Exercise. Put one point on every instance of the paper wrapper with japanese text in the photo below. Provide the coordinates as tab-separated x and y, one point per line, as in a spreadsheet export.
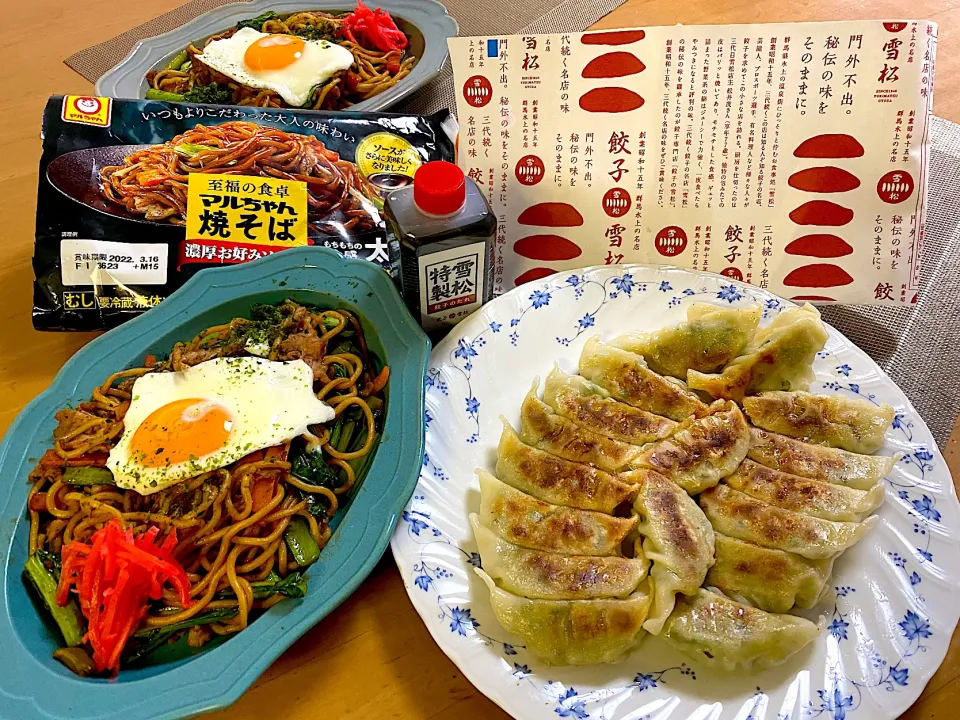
790	156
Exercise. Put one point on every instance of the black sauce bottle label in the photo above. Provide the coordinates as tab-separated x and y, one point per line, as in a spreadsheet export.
452	282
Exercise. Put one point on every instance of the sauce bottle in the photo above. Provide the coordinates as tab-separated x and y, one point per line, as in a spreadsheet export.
445	231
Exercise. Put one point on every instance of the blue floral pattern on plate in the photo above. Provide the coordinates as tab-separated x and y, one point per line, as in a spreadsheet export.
886	625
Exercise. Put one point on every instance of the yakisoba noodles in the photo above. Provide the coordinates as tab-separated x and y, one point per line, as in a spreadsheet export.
153	181
232	524
373	70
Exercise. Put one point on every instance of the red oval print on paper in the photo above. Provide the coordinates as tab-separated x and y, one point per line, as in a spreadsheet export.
616	202
551	214
895	187
671	241
615	37
820	275
537	273
547	247
529	170
819	246
732	272
829	146
613	65
894	27
827	179
821	212
812	298
477	91
610	100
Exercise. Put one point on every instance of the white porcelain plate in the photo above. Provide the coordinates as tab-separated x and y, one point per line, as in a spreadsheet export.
888	623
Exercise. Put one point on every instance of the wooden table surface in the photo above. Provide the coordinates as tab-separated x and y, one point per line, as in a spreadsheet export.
373	657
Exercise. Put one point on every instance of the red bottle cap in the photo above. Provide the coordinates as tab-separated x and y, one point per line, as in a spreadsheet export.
439	188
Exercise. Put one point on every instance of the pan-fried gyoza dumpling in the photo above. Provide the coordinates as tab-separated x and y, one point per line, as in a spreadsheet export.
537	574
743	517
835	420
711	337
525	521
677	539
627	378
780	357
555	480
572	632
542	428
591	406
815	461
702	450
772	580
724	634
805	495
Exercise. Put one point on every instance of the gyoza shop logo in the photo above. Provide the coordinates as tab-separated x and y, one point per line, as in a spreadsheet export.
452	283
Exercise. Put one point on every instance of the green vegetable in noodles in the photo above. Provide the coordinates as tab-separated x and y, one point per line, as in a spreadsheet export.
76	661
177	61
171	649
337	429
211	94
312	468
199	619
344	441
317	505
190	149
329	323
146	641
68	617
361	464
154	94
88	476
359	440
293	585
257	22
300	542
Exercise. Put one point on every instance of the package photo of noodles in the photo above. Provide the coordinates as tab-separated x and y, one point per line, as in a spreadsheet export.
136	196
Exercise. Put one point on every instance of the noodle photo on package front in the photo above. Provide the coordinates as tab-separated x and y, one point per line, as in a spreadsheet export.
153	182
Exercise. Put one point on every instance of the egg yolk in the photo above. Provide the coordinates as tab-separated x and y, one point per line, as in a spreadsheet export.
181	431
273	52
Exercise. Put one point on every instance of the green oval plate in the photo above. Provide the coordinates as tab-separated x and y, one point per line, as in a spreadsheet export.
32	683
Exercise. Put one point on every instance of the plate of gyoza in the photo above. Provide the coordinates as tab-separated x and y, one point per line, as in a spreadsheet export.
655	493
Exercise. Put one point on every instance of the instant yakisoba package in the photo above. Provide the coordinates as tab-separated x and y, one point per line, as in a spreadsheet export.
135	196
